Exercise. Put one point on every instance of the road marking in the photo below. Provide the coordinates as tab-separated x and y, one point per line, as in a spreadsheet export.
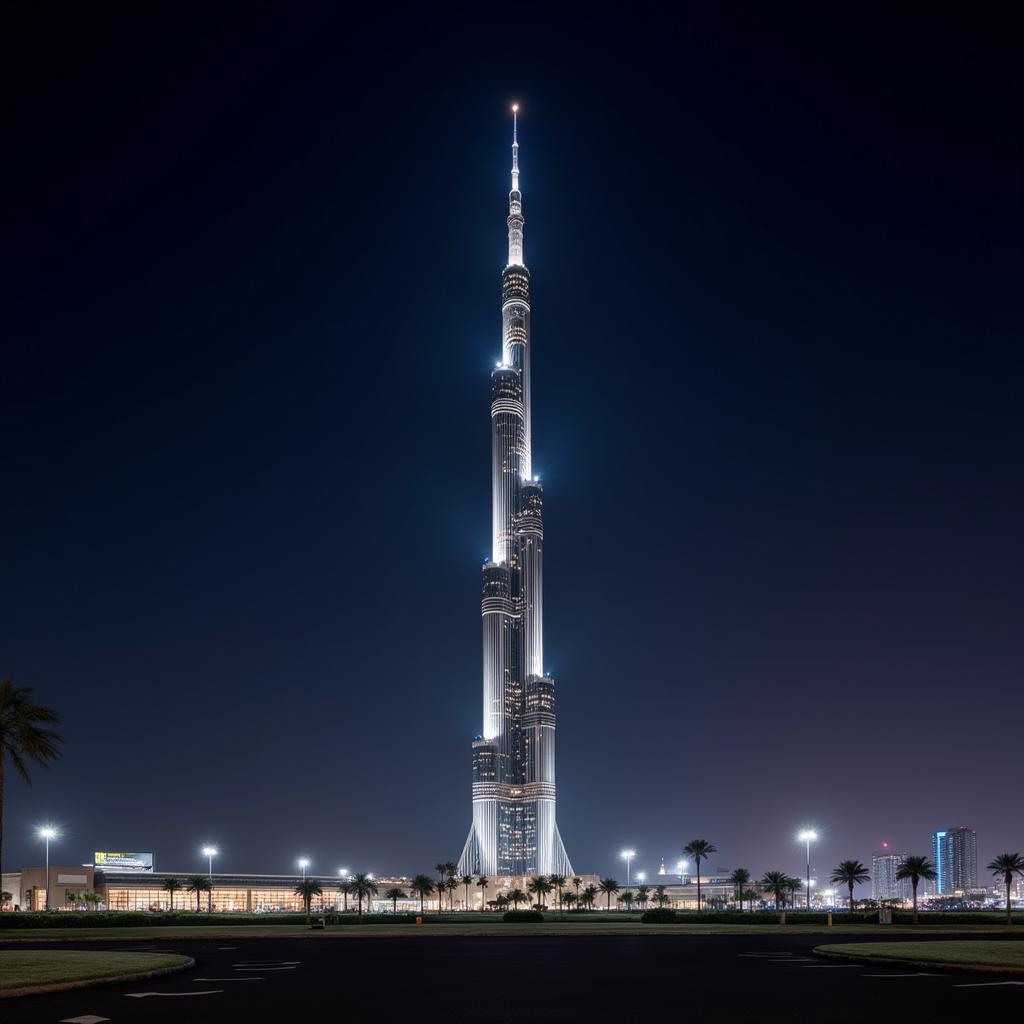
227	979
268	963
989	984
88	1018
143	995
264	968
833	966
918	975
227	947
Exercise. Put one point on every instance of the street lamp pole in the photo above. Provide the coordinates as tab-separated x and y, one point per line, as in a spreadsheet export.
628	855
47	834
209	852
303	863
808	835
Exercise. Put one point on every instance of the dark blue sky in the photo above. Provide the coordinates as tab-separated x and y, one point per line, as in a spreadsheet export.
254	263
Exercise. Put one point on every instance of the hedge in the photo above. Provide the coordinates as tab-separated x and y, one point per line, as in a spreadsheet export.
522	915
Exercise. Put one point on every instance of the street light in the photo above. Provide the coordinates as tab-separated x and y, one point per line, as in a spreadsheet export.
343	872
46	833
681	870
303	863
641	876
209	852
808	836
627	856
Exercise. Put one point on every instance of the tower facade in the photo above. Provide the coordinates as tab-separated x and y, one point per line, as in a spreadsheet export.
514	830
956	860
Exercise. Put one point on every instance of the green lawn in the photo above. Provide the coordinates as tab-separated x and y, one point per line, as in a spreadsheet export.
474	928
1008	954
22	968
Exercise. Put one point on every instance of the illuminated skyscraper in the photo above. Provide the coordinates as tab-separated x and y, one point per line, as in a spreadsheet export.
514	830
884	883
955	852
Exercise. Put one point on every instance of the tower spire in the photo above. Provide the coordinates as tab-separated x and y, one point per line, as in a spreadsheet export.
515	147
515	199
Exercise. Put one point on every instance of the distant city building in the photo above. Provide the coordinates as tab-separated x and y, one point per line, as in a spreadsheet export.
661	870
884	884
955	854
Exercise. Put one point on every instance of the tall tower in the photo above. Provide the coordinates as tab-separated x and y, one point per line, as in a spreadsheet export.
514	830
956	859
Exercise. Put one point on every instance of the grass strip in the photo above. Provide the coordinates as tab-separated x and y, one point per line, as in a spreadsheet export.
30	970
165	933
976	954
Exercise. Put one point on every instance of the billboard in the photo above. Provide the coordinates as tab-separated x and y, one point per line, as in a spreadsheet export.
124	861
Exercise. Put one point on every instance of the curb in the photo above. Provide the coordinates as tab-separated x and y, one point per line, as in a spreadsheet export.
934	965
113	979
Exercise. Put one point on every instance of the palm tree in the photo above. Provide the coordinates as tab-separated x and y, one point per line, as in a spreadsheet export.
850	873
642	894
915	868
609	887
589	895
660	896
482	883
557	883
198	884
441	867
739	878
467	881
625	899
576	883
423	886
515	897
539	886
345	887
776	882
71	898
794	885
1008	865
171	885
24	737
394	894
363	887
501	900
569	899
699	849
307	889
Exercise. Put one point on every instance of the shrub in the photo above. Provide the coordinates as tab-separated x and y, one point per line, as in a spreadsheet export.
522	916
660	915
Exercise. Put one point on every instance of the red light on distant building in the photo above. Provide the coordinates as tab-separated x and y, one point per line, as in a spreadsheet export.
885	846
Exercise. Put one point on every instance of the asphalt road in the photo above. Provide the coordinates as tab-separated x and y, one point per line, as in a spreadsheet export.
525	980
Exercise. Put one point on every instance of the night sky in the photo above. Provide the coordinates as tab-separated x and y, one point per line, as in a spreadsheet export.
253	275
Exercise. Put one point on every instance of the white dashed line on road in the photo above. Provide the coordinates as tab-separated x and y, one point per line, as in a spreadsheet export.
988	984
88	1018
143	995
918	975
227	979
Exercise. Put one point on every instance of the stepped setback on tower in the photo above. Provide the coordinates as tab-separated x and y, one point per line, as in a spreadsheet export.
514	831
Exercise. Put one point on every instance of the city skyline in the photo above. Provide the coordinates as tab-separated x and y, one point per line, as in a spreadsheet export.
252	326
